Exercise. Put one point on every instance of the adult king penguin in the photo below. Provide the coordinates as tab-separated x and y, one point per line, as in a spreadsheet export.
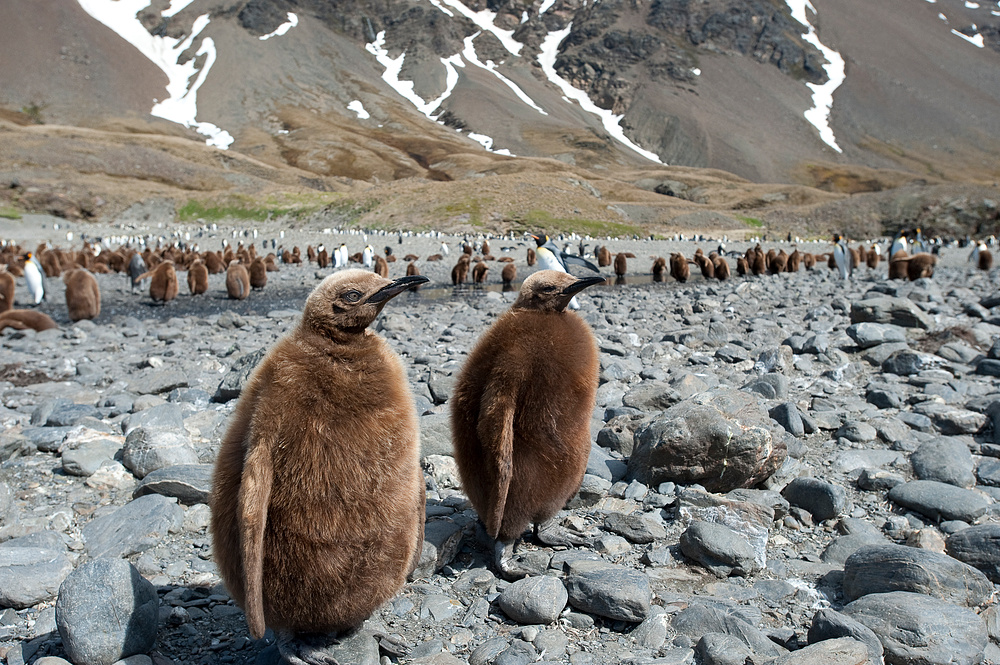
318	496
898	244
33	276
841	256
550	257
521	408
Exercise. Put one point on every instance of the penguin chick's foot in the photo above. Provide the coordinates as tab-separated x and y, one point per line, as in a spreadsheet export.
502	555
308	649
551	533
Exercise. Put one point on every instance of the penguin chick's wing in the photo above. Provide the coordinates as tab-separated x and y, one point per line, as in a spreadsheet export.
578	260
255	495
496	434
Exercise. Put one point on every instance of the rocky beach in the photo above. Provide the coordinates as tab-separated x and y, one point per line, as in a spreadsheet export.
789	468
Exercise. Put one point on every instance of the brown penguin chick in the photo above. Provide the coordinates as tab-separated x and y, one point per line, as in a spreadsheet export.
310	253
258	273
808	260
872	257
411	257
759	264
508	274
920	265
794	259
322	258
412	270
435	257
721	268
479	272
855	258
505	259
778	263
659	269
704	264
197	277
742	268
898	265
22	319
237	281
467	249
380	268
318	496
460	272
83	296
679	268
531	256
271	261
163	285
831	261
213	262
603	257
621	264
985	261
485	249
520	410
862	255
7	285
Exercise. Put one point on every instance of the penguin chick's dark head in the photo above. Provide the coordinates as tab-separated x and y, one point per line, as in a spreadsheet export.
345	303
551	290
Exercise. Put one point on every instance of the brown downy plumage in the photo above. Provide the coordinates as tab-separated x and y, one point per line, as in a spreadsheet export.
318	497
411	269
237	281
163	283
479	272
258	273
83	296
898	265
704	264
621	264
7	286
197	277
778	263
508	274
22	319
872	257
520	411
758	266
531	256
659	269
920	265
742	267
721	268
214	263
794	259
679	268
809	261
380	268
460	272
603	257
985	260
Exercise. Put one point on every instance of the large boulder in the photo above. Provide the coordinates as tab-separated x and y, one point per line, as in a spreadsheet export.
721	439
888	309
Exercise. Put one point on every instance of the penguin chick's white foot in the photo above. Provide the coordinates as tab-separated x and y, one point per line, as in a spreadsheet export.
503	553
309	649
553	534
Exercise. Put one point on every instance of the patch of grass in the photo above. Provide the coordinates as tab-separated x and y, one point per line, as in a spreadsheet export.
752	222
472	207
9	213
34	112
541	220
251	209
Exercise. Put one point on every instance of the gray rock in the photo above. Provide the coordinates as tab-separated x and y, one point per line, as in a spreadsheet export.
592	490
435	435
884	399
133	528
914	628
886	309
952	420
720	549
188	483
617	435
88	458
723	649
822	499
46	439
940	501
842	547
441	386
69	414
653	631
168	415
988	367
147	450
534	600
488	651
891	567
442	539
857	431
978	546
158	381
905	363
637	528
828	624
607	590
877	355
720	438
769	386
841	650
787	415
651	396
235	380
916	421
105	612
518	653
988	472
867	335
31	575
945	459
700	619
603	465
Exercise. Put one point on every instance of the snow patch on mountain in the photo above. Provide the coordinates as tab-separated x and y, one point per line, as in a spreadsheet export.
549	50
182	104
359	108
975	40
292	21
485	21
469	53
487	143
176	6
819	115
405	88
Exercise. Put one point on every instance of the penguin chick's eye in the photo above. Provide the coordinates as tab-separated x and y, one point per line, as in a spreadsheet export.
352	296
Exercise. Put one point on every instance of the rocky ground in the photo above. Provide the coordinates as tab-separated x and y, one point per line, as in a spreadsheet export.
871	401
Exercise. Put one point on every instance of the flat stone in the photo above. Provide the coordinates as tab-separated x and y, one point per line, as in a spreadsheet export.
867	334
88	457
787	415
105	612
635	527
822	499
887	309
135	527
857	431
906	363
188	483
945	459
701	618
890	567
147	450
236	378
722	649
940	501
952	420
720	549
168	415
978	546
828	624
837	651
69	414
651	396
435	435
615	592
914	628
158	381
534	600
442	540
31	575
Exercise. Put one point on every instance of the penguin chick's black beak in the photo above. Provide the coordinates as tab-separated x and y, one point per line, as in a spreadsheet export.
581	284
395	288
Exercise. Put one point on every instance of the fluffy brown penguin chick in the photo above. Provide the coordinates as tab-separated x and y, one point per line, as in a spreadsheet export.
318	496
520	411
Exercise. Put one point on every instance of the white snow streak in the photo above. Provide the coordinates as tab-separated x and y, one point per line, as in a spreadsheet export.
470	54
487	143
819	115
176	6
546	5
405	88
484	20
971	5
943	17
164	52
976	40
292	21
358	108
611	122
